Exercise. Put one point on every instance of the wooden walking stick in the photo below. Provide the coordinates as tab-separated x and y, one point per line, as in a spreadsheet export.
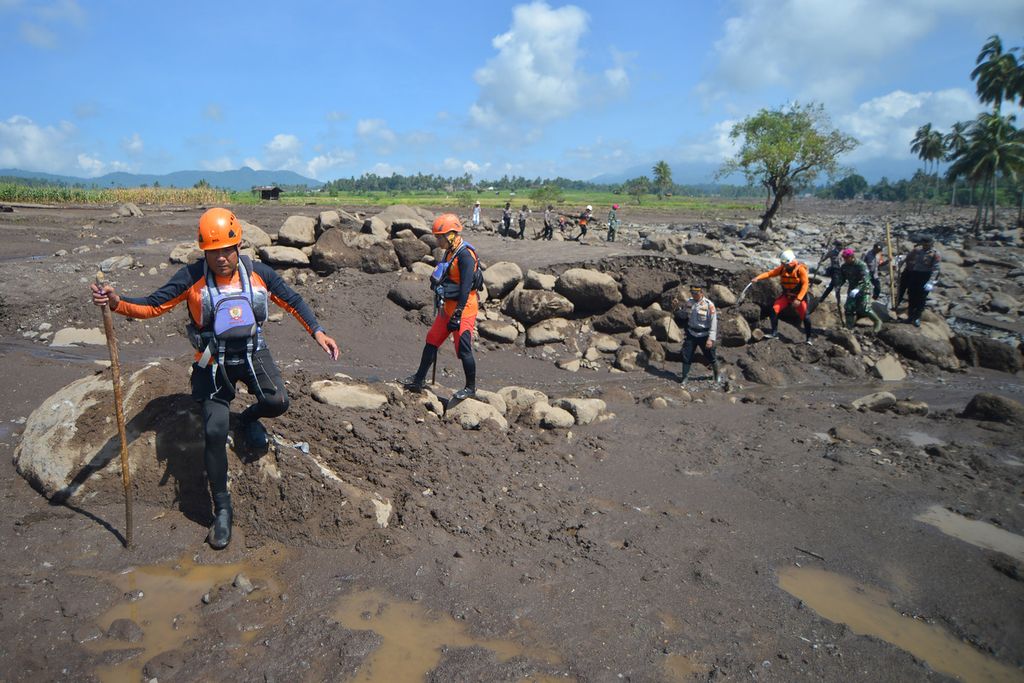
115	370
892	268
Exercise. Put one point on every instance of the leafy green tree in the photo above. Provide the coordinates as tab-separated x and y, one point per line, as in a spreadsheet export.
997	74
547	194
203	184
994	146
662	178
784	150
638	187
850	187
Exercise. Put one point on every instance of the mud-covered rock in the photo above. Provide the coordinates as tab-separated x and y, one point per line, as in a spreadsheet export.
283	256
501	277
888	369
498	330
473	414
643	286
879	401
530	306
755	371
548	331
584	410
733	330
521	398
347	396
401	217
253	236
994	408
409	251
989	353
721	295
537	280
297	231
652	347
665	329
411	293
589	291
617	319
544	415
911	343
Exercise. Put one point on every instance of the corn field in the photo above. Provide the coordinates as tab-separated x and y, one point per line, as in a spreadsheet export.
55	194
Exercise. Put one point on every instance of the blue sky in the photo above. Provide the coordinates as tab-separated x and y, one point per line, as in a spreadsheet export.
333	89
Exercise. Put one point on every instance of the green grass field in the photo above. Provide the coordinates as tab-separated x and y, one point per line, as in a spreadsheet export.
572	201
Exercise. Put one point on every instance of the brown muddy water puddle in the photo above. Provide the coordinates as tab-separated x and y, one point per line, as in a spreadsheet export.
975	532
163	600
867	611
412	639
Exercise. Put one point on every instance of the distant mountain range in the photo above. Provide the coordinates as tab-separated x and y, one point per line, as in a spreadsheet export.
242	179
703	173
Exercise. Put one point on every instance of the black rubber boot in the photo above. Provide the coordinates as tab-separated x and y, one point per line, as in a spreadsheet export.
464	393
220	530
774	319
255	434
686	373
717	372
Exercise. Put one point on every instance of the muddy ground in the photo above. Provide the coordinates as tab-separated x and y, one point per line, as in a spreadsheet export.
648	547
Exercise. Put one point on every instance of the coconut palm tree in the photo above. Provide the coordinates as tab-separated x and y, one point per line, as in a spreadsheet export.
996	74
662	177
994	146
929	145
956	144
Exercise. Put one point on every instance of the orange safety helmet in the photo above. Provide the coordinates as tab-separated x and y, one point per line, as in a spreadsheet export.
218	228
447	222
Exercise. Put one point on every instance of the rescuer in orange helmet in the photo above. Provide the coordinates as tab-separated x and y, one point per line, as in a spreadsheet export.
455	282
227	296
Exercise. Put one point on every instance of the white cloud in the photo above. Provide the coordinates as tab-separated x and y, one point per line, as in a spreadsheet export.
377	132
534	77
713	147
453	165
886	125
37	35
384	169
218	164
337	115
92	166
319	165
616	77
133	145
283	152
825	50
253	163
63	10
25	144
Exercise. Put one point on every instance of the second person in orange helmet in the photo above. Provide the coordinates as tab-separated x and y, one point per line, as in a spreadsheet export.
455	282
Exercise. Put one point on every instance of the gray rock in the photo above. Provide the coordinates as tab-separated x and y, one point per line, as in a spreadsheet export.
409	251
332	252
498	330
129	209
627	359
125	630
185	252
537	280
996	355
888	369
733	330
401	217
501	277
348	396
411	293
653	348
589	290
253	236
473	414
721	295
911	343
377	227
994	408
297	231
605	343
548	331
547	416
617	319
70	336
642	286
879	402
521	398
583	410
327	220
117	263
283	256
530	306
666	330
1003	303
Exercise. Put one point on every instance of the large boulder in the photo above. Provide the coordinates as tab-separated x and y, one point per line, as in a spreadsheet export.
721	295
521	398
376	227
590	291
297	231
473	414
401	217
733	330
996	355
253	236
498	330
501	277
994	408
348	396
548	331
379	258
879	401
888	369
538	280
411	293
643	286
327	220
910	343
283	256
187	252
530	306
409	251
665	329
332	252
547	416
584	410
617	319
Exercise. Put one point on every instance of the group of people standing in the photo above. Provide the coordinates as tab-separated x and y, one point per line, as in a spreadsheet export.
552	220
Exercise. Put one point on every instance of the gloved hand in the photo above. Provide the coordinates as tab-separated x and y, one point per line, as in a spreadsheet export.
929	286
455	321
854	293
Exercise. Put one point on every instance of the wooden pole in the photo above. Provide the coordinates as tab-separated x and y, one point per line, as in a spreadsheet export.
115	370
892	268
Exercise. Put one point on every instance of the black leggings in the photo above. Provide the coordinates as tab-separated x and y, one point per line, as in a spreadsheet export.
215	397
465	355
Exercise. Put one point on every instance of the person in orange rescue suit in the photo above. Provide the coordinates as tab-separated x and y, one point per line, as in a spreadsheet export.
455	281
226	295
795	285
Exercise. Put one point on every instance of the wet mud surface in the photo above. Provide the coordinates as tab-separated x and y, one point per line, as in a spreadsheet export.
724	536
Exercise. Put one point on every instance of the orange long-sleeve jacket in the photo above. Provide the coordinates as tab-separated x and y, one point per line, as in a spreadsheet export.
795	280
